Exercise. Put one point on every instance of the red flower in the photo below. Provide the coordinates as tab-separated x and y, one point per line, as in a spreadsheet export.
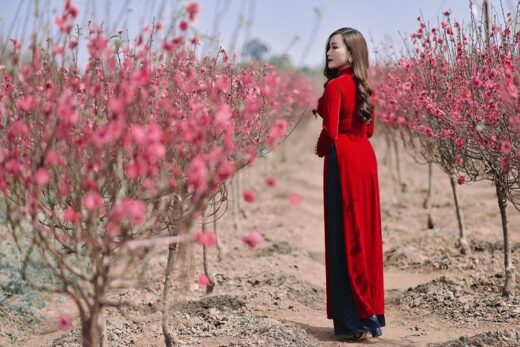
294	199
207	239
249	196
183	25
193	10
64	322
252	239
270	181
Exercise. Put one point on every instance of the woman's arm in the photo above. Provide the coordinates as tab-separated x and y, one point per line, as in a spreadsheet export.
331	105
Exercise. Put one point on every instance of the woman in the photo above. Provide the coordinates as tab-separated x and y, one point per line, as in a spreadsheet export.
353	241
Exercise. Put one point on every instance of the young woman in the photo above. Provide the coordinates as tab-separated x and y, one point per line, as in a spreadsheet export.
353	240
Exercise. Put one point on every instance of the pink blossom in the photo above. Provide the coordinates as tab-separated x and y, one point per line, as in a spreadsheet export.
63	322
226	170
52	158
92	200
459	142
27	103
113	229
294	199
67	108
506	147
270	181
155	151
193	9
223	116
252	239
70	215
64	187
116	106
133	210
278	131
461	179
207	239
138	134
203	280
249	196
183	25
197	175
18	129
41	177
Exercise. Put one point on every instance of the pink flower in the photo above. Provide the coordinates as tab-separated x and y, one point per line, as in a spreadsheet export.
134	210
461	179
92	200
27	103
52	158
294	199
249	196
41	177
70	215
276	132
406	86
67	108
226	170
203	280
506	147
63	322
64	187
18	129
113	229
270	181
192	9
207	239
197	175
183	25
459	142
223	116
155	151
252	239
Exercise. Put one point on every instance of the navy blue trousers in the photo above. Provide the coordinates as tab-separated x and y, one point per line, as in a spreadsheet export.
344	314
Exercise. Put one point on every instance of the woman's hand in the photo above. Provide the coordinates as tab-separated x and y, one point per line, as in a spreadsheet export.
315	112
323	144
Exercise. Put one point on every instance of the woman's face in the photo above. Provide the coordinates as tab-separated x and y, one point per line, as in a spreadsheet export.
338	53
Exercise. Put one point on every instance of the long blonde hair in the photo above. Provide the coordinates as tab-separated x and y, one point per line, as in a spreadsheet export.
357	46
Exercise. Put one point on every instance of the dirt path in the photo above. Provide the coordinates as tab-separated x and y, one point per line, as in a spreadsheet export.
275	295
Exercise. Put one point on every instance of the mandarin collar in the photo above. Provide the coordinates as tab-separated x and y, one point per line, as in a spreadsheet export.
347	71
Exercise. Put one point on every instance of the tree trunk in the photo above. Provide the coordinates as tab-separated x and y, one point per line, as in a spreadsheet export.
211	284
92	327
169	339
219	246
509	284
427	201
402	186
461	243
234	198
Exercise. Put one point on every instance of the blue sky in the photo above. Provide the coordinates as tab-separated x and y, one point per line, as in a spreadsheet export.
276	22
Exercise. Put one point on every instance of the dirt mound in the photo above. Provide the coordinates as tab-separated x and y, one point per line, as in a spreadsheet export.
463	301
282	290
499	338
441	253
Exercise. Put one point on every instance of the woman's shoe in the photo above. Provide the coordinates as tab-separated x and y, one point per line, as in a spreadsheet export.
360	336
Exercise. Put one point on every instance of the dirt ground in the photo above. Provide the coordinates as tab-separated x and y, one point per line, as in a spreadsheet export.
275	295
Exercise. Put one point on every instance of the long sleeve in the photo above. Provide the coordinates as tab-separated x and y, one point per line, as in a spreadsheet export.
331	105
